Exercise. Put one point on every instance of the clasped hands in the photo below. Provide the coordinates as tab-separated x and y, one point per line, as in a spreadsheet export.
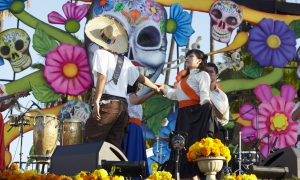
160	88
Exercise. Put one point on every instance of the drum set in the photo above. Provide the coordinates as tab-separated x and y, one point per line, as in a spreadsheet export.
47	131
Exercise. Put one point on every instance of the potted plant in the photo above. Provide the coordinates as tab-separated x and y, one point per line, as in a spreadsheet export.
209	154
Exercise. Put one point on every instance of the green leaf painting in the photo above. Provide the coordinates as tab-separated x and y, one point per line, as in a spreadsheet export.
119	7
31	152
154	113
253	70
295	26
44	93
43	43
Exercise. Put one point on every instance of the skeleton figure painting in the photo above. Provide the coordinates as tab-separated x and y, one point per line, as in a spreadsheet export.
234	62
14	47
226	16
145	22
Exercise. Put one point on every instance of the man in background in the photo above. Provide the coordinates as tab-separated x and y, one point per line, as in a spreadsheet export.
219	100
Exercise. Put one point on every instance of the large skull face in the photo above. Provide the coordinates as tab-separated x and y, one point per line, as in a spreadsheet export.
145	23
14	46
226	16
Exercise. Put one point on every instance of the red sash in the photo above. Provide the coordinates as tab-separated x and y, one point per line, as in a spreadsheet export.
2	148
189	92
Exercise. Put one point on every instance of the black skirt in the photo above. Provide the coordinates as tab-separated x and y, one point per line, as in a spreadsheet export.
197	122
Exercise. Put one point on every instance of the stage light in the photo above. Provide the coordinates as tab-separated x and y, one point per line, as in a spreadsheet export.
263	172
125	168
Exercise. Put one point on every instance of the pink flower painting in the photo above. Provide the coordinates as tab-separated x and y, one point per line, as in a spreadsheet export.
271	119
67	70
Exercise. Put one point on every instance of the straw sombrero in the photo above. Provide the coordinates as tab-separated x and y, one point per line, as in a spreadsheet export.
108	33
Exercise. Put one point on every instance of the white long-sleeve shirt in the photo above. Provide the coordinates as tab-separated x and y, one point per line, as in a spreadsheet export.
199	81
220	100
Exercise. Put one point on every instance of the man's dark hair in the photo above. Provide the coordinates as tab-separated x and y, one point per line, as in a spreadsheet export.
214	66
133	88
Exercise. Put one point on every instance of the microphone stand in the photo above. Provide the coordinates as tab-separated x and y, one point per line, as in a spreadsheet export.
21	133
268	135
254	107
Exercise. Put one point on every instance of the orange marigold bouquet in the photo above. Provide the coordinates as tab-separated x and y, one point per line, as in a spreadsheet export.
208	147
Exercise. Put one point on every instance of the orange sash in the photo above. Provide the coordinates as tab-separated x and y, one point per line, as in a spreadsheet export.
189	92
136	121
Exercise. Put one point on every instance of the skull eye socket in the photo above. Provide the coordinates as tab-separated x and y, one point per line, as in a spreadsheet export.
149	38
231	21
5	50
19	44
216	13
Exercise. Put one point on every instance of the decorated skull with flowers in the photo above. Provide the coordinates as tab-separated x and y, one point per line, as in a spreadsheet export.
208	147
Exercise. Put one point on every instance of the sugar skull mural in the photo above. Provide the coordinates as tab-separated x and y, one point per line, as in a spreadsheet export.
226	16
145	22
14	47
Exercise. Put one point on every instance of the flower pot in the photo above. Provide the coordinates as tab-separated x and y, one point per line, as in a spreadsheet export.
210	165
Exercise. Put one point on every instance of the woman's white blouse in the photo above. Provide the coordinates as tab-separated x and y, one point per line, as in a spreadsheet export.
197	80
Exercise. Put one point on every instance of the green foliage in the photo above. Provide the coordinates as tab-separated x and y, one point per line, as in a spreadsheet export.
43	43
295	26
31	152
155	113
253	70
44	93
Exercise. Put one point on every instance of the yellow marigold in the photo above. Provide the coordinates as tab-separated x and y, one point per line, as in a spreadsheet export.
208	147
154	166
160	175
101	173
14	166
118	178
29	174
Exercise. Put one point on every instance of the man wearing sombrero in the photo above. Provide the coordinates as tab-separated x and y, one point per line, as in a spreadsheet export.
112	73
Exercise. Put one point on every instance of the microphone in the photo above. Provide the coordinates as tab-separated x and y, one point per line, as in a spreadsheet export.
36	105
226	138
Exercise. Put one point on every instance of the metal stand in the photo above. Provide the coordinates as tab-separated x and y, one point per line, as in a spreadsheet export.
21	124
177	142
240	155
177	177
44	161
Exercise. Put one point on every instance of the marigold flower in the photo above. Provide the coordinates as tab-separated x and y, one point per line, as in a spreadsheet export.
14	166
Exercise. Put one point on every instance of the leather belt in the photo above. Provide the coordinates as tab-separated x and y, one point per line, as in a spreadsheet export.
112	97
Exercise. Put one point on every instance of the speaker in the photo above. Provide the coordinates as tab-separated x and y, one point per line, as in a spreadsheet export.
286	157
263	172
70	160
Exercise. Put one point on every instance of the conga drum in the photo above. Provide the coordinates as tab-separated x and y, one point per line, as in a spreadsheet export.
45	134
14	120
71	132
28	119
